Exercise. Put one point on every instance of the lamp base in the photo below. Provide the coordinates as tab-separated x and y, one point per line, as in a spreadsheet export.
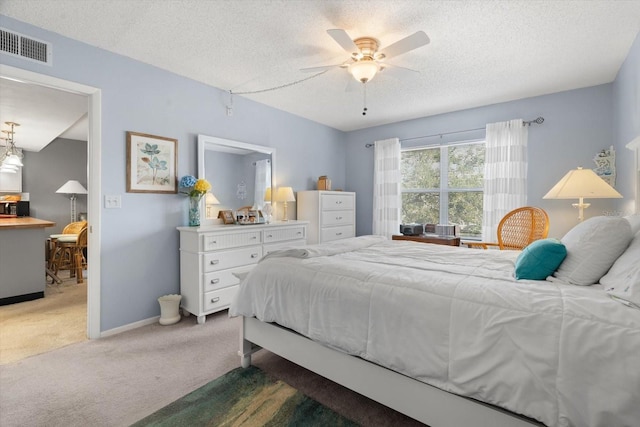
581	205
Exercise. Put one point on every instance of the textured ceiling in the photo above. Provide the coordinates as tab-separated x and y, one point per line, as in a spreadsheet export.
481	52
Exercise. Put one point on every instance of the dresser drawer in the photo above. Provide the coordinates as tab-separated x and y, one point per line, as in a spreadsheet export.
232	258
223	278
214	242
336	202
279	235
336	233
219	299
337	218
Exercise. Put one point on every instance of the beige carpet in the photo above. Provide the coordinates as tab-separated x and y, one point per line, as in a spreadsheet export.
35	327
118	380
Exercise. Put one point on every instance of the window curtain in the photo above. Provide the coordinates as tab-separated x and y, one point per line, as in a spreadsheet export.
505	173
263	180
386	187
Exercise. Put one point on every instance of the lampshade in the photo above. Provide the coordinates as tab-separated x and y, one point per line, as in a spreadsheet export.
285	194
364	70
580	184
210	199
8	168
267	195
72	187
13	160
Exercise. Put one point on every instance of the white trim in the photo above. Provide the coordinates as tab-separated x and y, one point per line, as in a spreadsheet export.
93	163
411	397
130	326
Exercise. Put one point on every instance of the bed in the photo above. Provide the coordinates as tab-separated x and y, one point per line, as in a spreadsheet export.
446	335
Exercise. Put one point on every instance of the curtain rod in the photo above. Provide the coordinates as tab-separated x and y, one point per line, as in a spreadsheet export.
538	121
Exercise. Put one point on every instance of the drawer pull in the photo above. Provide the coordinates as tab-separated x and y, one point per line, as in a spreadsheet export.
338	234
338	202
338	218
215	300
254	237
254	255
269	235
215	281
299	233
214	261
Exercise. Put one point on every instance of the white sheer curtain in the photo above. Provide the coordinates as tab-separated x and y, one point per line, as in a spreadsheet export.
263	180
505	173
386	187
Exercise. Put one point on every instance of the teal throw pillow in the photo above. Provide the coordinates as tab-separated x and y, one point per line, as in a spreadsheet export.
540	259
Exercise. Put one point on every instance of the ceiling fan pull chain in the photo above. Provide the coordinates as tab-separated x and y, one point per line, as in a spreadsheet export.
364	108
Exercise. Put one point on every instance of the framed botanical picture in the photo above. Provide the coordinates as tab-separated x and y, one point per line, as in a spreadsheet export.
227	217
151	163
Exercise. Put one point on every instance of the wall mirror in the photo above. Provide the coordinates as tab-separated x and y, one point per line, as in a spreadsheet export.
239	173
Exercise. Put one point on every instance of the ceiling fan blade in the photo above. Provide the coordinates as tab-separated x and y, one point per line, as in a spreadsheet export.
321	68
408	43
343	39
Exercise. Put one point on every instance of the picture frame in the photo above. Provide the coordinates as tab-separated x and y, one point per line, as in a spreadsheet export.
151	163
226	216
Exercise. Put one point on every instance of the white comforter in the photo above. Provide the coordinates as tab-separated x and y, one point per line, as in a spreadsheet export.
455	318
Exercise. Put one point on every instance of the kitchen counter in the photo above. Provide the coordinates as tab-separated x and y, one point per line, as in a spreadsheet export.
22	259
24	222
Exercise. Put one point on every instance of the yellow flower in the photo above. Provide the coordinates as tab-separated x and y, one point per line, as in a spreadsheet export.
202	186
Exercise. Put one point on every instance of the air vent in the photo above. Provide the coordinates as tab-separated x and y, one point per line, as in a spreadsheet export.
24	47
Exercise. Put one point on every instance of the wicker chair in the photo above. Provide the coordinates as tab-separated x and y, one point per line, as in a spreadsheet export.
518	228
65	247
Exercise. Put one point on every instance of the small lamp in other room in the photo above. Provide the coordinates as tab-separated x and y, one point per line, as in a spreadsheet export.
73	188
209	201
285	194
580	184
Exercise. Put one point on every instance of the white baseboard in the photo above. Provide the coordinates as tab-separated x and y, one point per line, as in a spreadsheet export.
129	326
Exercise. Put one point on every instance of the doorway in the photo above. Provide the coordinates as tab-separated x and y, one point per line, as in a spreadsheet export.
93	96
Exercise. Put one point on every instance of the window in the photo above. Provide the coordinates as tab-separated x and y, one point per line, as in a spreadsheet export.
443	185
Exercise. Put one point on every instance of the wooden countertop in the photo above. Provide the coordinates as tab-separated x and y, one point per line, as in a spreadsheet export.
24	222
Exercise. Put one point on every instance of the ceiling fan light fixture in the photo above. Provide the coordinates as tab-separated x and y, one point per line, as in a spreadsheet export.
364	70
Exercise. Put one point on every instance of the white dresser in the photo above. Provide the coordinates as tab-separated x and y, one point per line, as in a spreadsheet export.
210	255
331	214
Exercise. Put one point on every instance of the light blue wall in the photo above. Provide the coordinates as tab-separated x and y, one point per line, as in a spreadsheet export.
626	123
139	249
578	124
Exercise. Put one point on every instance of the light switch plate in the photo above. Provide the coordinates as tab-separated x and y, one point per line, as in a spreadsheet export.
112	202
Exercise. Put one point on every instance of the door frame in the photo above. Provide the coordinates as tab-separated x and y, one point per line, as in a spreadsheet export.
94	142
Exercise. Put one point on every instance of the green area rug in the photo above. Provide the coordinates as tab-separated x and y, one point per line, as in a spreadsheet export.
245	397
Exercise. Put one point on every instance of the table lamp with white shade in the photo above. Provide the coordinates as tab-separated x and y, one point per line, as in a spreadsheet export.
73	188
209	201
285	194
580	184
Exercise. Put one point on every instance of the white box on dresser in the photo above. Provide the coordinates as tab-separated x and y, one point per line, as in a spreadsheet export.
331	214
210	255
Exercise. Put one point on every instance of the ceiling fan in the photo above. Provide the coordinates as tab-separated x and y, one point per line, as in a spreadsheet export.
365	59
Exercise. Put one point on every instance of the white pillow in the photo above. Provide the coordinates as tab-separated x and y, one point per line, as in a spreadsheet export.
623	279
592	248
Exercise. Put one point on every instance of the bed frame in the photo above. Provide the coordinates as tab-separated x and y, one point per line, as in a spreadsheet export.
413	398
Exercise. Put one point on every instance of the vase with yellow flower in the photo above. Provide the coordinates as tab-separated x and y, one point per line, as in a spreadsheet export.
195	189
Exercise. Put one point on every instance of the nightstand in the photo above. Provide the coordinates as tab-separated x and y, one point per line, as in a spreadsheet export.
430	238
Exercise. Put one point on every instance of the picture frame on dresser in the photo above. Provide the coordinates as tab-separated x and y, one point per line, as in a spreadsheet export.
226	216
